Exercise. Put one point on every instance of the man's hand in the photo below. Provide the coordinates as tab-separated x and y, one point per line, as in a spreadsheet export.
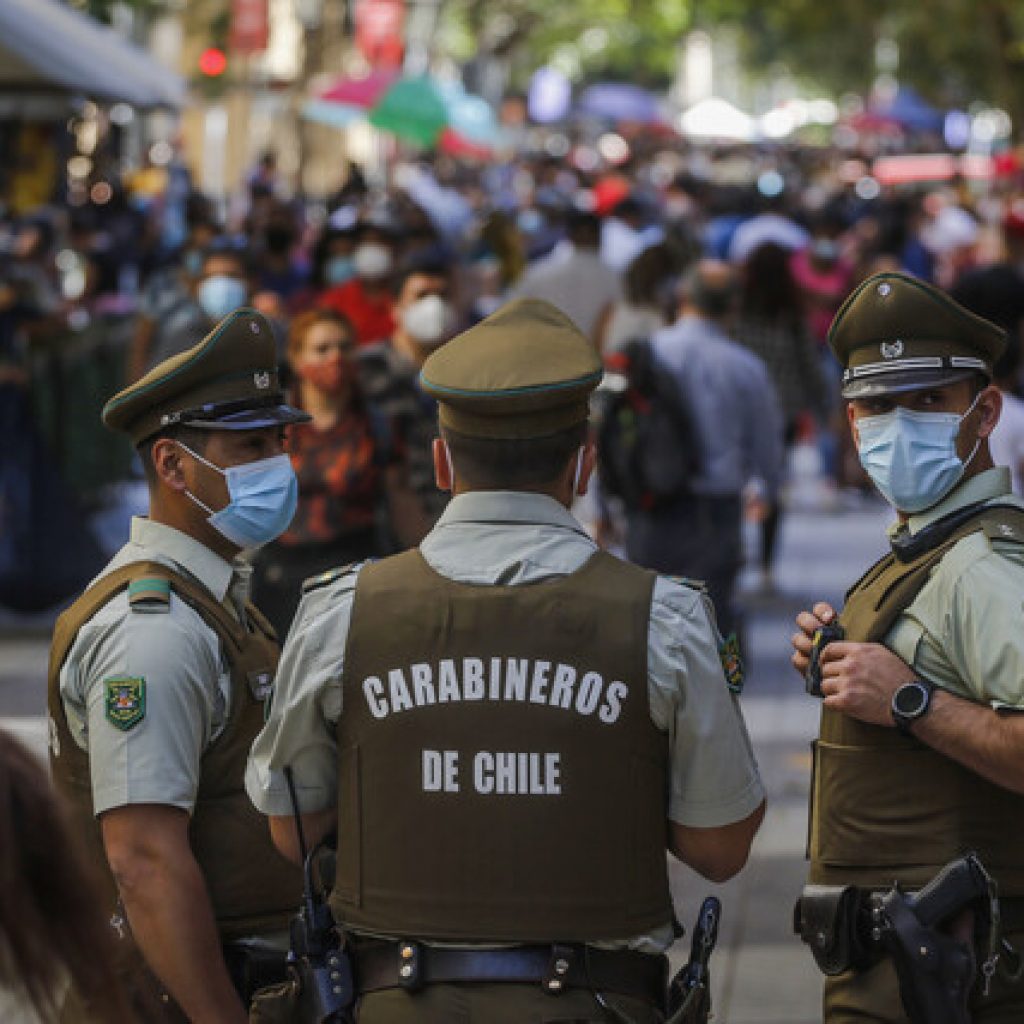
809	622
860	679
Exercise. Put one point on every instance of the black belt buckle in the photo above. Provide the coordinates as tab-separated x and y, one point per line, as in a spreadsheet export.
556	975
410	965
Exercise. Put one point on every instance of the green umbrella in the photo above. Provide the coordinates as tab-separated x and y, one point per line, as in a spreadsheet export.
412	109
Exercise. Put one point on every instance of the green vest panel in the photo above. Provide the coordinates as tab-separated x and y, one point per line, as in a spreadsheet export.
252	888
884	806
500	776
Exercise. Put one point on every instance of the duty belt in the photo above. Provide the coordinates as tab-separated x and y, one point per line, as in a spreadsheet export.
555	967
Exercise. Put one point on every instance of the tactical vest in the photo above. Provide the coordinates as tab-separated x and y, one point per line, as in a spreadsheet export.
252	888
884	805
500	778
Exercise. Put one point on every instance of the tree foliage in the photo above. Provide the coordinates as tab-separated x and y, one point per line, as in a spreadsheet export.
954	51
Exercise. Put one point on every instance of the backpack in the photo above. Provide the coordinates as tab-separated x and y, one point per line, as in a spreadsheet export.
648	449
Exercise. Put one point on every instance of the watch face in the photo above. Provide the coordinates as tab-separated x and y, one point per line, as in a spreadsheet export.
910	699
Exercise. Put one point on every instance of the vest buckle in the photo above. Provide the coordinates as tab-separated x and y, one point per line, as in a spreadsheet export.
410	965
559	964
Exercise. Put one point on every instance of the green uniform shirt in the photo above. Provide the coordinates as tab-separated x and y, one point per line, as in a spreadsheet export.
187	680
963	631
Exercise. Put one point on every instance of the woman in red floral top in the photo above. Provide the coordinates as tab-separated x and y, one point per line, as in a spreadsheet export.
353	500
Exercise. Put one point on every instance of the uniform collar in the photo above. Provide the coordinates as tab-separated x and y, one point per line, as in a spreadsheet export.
212	571
511	507
986	486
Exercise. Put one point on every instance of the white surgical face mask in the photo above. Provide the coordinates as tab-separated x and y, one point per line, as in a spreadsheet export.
372	261
428	320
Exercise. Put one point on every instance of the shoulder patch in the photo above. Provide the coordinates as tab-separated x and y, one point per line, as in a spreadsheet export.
1006	531
323	579
150	594
125	700
732	663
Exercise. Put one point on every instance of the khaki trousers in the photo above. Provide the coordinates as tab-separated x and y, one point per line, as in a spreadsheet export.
873	997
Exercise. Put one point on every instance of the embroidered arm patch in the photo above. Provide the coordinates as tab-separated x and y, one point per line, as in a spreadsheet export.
732	663
125	699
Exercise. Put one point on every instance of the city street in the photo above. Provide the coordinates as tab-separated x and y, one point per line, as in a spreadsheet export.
762	974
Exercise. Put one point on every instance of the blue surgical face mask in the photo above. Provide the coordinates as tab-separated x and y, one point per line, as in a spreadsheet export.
220	295
263	495
339	269
911	456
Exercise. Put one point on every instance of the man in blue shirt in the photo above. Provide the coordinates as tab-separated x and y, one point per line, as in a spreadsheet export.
736	416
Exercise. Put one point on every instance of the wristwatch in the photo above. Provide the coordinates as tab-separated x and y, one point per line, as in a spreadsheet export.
911	702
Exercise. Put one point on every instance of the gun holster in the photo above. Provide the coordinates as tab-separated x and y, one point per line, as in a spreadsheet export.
253	964
830	919
936	971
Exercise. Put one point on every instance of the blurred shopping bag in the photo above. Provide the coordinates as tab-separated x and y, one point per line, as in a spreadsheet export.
47	552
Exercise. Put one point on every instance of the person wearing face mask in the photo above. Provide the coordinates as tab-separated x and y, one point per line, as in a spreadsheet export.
920	756
365	296
218	288
425	319
354	501
415	692
159	673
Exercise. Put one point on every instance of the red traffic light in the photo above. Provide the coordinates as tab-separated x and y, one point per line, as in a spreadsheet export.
213	62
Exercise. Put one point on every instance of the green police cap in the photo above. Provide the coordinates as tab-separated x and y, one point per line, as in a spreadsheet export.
896	333
526	371
226	382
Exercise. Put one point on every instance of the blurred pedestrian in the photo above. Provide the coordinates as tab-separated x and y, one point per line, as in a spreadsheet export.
771	323
354	498
366	298
575	279
732	403
641	309
425	318
53	929
222	286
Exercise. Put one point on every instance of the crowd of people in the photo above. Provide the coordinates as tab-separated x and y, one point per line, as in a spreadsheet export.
361	288
406	371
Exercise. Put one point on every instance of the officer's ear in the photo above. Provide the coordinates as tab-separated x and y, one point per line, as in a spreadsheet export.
989	408
166	464
852	420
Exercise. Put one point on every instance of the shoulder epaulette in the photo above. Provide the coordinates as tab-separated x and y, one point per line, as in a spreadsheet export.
150	594
691	584
324	579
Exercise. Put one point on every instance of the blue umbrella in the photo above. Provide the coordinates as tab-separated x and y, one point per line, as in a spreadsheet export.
619	101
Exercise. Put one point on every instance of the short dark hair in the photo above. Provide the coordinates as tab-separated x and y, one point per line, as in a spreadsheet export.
498	463
430	263
192	437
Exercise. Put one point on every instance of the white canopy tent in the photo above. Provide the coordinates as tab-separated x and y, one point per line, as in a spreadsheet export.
50	50
715	118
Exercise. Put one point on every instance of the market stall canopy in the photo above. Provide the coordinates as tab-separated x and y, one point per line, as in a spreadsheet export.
47	48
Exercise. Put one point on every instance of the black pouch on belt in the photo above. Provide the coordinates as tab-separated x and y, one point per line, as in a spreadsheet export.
828	919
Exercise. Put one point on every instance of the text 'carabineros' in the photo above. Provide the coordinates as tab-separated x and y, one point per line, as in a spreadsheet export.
523	680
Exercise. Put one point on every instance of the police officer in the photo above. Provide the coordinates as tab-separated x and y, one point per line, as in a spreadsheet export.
498	722
158	675
920	757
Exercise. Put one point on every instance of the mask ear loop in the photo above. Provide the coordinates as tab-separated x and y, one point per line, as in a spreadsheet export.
206	462
579	470
451	465
977	443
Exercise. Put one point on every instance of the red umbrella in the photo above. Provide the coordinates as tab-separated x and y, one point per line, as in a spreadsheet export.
361	92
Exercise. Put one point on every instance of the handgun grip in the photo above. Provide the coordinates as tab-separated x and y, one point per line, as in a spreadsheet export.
956	885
